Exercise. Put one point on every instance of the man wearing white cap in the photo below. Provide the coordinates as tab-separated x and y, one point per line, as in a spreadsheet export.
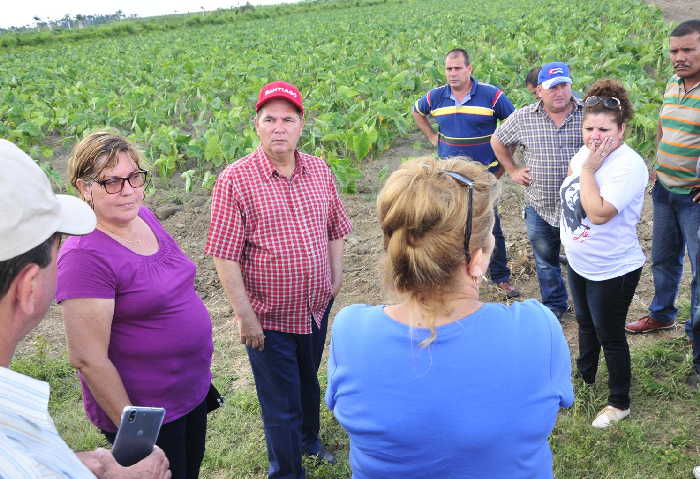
32	220
550	133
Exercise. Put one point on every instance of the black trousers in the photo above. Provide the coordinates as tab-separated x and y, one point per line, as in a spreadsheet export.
182	441
601	310
290	396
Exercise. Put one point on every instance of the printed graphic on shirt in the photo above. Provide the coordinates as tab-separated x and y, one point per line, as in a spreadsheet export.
575	220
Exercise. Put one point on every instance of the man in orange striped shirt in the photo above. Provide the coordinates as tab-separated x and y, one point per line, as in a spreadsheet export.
676	194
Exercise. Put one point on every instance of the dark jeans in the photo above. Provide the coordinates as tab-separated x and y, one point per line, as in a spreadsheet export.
601	310
182	441
696	337
498	268
546	244
696	345
286	380
676	224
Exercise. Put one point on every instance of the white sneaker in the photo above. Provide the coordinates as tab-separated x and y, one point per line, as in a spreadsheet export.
609	415
696	472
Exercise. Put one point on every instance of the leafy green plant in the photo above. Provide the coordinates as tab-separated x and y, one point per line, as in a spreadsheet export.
173	85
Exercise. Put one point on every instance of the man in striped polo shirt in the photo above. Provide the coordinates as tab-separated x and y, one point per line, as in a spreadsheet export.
33	219
676	194
467	113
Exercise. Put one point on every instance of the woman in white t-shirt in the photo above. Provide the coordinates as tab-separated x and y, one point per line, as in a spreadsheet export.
602	199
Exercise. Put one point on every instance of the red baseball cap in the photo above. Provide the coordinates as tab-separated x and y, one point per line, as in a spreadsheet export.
280	89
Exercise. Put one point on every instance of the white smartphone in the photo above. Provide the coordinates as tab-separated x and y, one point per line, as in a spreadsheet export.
137	434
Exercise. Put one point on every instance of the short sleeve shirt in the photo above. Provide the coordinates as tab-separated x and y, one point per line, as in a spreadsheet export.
278	230
679	148
547	150
479	402
609	250
161	333
465	128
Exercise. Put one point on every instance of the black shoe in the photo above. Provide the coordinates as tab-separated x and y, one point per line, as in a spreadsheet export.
323	455
557	314
694	381
509	290
560	314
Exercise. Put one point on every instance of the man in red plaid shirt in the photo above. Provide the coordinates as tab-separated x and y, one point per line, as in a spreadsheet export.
276	235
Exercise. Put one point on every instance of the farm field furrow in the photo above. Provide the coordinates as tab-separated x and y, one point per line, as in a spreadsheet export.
185	94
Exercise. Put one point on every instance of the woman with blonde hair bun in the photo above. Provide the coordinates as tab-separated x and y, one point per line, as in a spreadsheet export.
441	384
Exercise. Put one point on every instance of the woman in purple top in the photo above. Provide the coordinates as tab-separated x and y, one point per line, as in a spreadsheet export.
137	331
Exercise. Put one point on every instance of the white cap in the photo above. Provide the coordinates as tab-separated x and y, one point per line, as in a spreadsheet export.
30	212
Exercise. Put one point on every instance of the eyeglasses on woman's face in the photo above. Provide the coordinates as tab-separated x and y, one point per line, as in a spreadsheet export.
115	184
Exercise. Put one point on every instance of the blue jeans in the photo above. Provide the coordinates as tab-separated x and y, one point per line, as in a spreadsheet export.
601	309
286	381
676	224
546	244
498	267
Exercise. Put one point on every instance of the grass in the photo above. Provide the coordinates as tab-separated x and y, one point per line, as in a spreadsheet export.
65	404
659	440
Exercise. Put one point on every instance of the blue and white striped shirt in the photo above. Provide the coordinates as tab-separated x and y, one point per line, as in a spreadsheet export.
30	446
465	128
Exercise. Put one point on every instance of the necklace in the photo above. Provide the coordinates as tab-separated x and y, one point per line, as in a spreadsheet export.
119	237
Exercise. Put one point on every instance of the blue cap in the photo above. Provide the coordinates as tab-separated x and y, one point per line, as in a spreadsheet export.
554	73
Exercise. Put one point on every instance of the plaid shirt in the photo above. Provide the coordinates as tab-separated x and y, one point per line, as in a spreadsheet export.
547	150
278	230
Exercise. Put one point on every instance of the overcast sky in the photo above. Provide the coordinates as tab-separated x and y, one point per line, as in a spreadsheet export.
20	13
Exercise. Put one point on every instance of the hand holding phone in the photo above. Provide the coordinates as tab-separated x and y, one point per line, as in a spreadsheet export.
137	434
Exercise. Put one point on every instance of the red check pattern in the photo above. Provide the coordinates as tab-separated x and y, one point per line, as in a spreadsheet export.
278	230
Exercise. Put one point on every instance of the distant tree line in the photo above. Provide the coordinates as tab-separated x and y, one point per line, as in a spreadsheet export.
69	22
70	28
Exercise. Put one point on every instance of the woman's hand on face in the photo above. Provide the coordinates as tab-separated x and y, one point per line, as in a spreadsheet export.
599	152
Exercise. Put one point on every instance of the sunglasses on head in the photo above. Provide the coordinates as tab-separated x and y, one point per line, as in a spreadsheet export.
469	183
609	102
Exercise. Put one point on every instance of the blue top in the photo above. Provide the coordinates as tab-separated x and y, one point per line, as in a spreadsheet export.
465	128
479	402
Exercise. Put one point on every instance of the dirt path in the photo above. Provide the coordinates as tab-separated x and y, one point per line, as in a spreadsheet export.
677	11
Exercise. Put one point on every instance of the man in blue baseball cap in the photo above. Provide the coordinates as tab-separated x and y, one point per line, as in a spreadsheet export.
550	133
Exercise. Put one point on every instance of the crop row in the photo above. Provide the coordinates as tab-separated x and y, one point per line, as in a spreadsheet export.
186	94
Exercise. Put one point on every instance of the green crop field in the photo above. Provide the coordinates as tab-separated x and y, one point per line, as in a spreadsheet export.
186	93
184	88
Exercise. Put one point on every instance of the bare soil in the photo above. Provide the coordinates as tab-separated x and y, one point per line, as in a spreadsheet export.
186	217
677	11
